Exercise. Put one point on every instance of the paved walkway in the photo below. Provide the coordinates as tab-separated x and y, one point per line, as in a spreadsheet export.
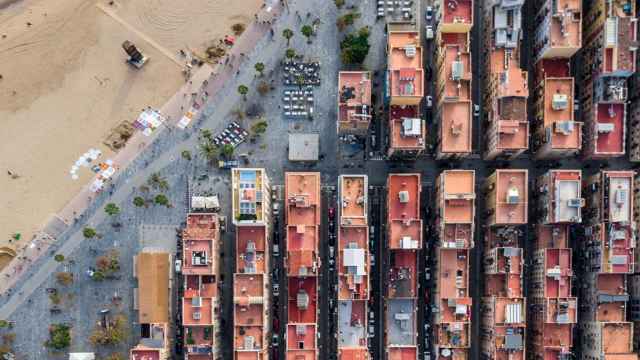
203	85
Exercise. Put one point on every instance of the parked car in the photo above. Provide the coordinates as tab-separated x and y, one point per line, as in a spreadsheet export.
428	14
276	289
276	208
276	250
476	110
429	32
228	164
429	101
178	265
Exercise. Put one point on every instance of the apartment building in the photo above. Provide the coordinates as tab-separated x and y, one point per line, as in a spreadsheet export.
152	300
455	222
557	132
453	95
505	82
353	268
302	263
251	203
455	16
404	92
507	197
201	273
634	118
251	195
404	240
607	253
354	102
608	60
558	32
503	306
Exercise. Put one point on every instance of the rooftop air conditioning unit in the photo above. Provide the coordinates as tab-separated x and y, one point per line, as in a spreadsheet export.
513	195
197	315
621	196
605	128
575	203
196	301
564	127
403	196
410	51
560	102
457	69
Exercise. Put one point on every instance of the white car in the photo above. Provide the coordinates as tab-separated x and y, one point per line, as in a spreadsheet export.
178	265
429	30
429	101
476	110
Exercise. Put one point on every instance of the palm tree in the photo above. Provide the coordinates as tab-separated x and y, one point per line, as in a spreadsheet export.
243	90
259	68
227	150
158	182
287	34
290	53
307	31
209	151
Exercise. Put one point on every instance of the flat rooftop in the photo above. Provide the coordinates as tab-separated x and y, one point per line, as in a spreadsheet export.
197	311
504	284
509	342
145	354
302	300
354	89
456	126
247	195
617	338
402	353
353	200
558	113
610	129
352	324
621	57
353	263
407	128
250	249
556	337
562	310
406	77
558	273
459	196
552	236
199	238
403	206
512	193
456	12
301	342
619	185
402	278
457	72
302	250
357	353
453	277
566	26
153	270
512	80
401	322
512	124
454	335
302	191
566	188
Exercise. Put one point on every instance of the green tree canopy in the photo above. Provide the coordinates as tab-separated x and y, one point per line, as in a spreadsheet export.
355	47
287	34
112	209
259	68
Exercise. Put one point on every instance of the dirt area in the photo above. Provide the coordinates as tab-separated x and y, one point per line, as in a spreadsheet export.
65	86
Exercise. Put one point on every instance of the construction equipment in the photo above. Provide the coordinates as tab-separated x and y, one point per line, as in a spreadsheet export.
136	58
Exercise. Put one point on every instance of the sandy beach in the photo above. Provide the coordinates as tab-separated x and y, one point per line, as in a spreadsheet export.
65	86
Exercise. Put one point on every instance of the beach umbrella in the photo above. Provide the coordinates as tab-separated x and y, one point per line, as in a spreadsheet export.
74	177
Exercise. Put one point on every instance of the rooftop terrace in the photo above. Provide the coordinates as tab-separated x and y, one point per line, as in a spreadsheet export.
406	76
456	131
566	26
552	236
303	198
402	353
561	311
620	45
301	342
459	196
353	263
453	335
617	202
352	324
617	338
565	189
401	322
354	104
558	113
407	128
558	273
302	300
302	250
250	249
403	205
512	193
453	277
609	133
248	197
353	200
402	278
153	273
456	12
